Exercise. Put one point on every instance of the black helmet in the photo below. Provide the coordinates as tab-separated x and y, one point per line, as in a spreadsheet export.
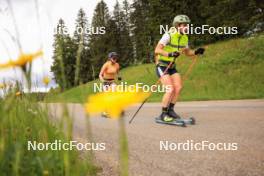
112	55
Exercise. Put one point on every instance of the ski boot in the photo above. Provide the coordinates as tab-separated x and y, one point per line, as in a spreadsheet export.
165	117
173	114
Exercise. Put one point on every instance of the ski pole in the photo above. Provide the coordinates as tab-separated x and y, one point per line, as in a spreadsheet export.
166	70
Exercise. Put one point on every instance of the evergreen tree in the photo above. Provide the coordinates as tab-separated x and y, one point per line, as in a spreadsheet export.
122	35
99	43
83	58
127	12
63	57
142	38
241	14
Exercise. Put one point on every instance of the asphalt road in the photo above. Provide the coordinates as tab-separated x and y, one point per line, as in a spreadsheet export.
238	122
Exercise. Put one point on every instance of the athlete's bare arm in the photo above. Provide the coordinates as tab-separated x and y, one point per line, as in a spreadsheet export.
101	74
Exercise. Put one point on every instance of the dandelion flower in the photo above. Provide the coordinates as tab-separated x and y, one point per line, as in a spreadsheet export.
22	60
46	80
2	85
45	172
113	103
18	93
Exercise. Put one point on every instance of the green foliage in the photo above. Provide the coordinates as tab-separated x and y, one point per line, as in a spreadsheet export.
64	57
122	39
99	44
117	37
148	15
72	57
142	38
229	70
22	119
133	30
83	57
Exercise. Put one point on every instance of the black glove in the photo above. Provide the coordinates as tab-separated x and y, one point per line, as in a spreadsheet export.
199	51
119	78
174	54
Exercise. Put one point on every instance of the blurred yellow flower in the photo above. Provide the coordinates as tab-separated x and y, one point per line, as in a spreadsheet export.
113	103
2	85
45	172
22	60
46	80
18	93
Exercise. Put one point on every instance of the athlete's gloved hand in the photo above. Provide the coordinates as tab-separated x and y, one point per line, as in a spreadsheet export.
199	51
174	54
119	78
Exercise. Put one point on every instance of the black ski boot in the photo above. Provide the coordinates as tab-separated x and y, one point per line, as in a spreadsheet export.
172	113
165	117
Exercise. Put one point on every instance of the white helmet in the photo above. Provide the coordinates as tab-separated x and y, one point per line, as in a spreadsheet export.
180	19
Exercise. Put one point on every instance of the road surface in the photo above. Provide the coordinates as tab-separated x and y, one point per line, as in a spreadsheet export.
237	122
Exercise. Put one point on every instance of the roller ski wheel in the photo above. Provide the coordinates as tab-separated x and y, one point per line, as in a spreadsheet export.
193	121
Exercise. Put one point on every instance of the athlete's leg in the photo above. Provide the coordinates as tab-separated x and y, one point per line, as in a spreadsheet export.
177	84
167	81
108	86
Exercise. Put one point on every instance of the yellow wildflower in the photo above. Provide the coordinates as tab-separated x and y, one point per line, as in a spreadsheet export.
46	80
22	60
113	103
45	172
2	85
18	93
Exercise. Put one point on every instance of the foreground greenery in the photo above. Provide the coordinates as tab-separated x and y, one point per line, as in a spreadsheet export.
229	70
22	119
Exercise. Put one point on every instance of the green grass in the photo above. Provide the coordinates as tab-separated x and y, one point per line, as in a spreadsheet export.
22	119
229	70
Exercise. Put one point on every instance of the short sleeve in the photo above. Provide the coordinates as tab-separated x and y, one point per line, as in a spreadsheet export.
165	39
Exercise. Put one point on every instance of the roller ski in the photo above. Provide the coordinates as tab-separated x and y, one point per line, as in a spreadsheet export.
167	120
177	118
189	121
